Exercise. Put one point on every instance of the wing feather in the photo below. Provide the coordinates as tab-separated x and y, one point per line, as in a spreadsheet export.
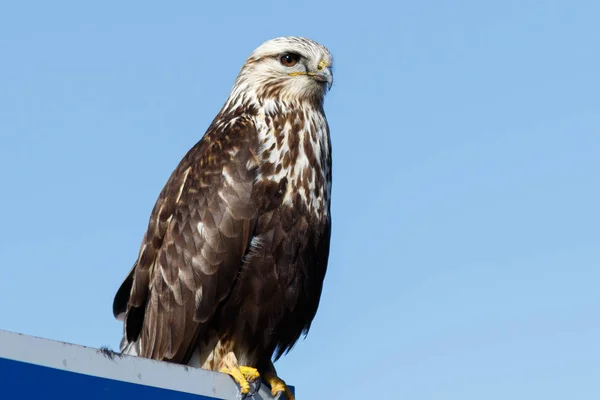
198	233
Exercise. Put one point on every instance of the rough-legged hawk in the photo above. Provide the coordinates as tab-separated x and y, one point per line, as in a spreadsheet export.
231	268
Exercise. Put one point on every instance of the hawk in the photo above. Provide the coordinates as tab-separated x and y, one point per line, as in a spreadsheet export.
230	271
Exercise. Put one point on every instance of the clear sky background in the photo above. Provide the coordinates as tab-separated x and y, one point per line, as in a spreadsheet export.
466	222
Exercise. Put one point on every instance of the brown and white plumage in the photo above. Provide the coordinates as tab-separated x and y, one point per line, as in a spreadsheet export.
232	264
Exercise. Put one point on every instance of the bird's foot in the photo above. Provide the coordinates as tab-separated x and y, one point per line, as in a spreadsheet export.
249	373
278	387
246	377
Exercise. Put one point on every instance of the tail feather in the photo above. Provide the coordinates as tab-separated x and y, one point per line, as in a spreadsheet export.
130	348
122	296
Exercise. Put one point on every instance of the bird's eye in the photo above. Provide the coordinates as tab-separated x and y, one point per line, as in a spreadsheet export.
289	60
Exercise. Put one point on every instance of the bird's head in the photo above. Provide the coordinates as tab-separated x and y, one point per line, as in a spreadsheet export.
288	69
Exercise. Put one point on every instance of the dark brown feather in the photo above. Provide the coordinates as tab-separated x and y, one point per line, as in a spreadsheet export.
237	245
178	259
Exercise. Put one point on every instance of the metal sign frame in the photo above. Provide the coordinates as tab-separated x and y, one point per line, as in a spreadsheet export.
37	368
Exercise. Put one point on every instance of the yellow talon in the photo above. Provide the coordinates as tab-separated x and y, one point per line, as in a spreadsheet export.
239	377
249	373
278	385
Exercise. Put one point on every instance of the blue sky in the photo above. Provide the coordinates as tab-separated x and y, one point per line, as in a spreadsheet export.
466	138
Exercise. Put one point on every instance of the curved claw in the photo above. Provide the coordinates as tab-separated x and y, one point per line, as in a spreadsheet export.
279	388
285	394
254	387
239	378
247	378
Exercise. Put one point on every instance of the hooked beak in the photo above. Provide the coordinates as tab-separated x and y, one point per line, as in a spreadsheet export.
324	75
